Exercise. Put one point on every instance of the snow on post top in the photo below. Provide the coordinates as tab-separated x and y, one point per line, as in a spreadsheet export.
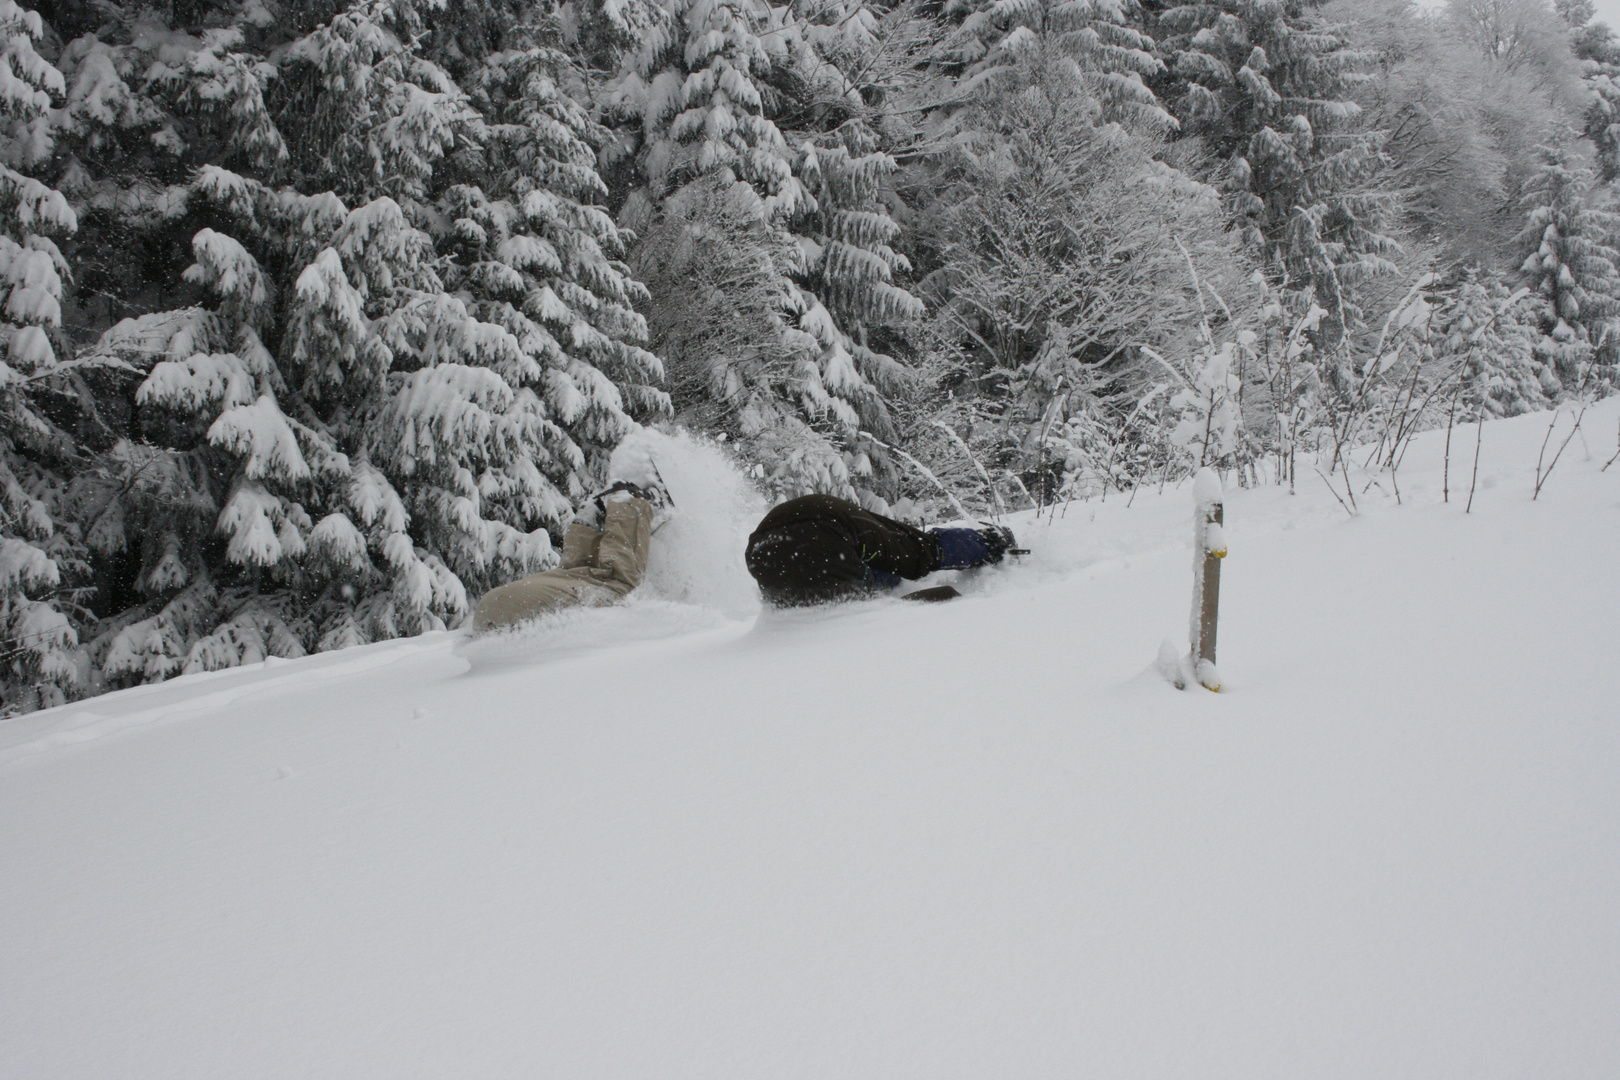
1207	488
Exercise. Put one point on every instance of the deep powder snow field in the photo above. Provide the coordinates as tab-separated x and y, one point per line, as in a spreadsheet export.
684	838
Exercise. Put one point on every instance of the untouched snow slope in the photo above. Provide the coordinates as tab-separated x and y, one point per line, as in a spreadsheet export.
976	839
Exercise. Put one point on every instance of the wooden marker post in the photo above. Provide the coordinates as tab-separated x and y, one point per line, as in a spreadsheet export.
1209	548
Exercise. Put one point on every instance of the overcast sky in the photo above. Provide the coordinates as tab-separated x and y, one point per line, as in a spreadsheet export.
1608	11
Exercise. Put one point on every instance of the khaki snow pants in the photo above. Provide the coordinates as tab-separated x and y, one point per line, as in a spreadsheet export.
598	567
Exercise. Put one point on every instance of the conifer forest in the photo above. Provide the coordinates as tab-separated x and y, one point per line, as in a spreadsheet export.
321	318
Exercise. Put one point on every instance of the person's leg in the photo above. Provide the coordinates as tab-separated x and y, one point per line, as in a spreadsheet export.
621	557
598	567
580	543
961	548
539	593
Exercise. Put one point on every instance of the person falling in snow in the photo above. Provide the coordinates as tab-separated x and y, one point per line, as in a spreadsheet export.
604	557
818	548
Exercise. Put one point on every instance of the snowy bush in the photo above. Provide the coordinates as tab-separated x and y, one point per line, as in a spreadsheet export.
1062	260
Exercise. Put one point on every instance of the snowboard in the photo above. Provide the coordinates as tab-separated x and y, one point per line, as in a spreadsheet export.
933	595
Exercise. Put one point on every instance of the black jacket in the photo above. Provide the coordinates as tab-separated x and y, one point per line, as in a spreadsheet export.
819	548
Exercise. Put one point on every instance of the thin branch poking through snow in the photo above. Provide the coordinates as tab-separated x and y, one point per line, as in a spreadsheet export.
1479	437
1451	419
1541	477
1335	493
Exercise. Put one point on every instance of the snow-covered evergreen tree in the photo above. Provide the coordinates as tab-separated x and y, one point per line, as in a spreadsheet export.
377	446
541	259
1268	86
1598	49
701	100
269	445
1572	267
1489	334
1105	39
37	636
1603	118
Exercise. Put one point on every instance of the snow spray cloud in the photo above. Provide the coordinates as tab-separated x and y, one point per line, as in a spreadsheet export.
696	578
697	554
